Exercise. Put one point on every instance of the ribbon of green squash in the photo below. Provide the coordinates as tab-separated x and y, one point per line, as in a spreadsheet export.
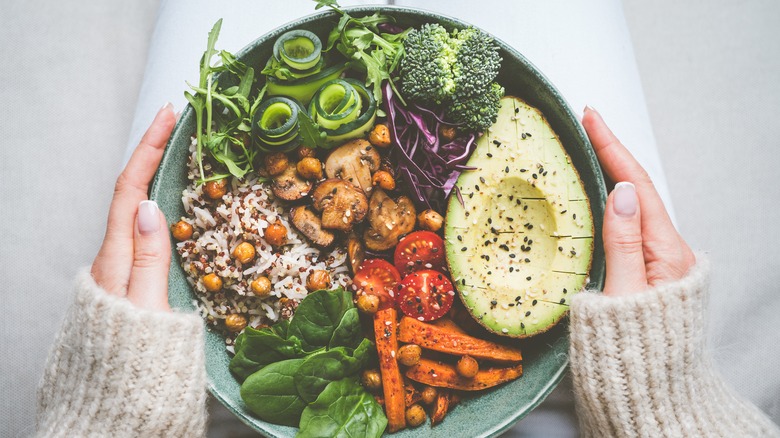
344	109
275	125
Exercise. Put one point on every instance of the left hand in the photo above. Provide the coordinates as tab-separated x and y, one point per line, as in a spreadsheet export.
134	259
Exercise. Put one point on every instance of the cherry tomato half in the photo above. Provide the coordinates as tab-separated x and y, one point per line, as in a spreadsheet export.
419	250
425	295
377	277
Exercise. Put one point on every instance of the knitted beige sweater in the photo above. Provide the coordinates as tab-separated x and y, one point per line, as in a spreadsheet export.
637	365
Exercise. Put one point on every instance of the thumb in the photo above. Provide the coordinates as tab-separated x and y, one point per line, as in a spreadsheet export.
623	242
148	286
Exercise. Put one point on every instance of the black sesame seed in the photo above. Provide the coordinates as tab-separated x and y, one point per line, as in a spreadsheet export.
489	155
511	269
496	142
528	313
476	187
527	260
523	170
522	326
463	281
564	290
522	136
460	238
504	247
528	278
563	300
533	303
490	221
528	134
506	169
463	249
494	302
517	110
534	176
574	216
511	256
560	248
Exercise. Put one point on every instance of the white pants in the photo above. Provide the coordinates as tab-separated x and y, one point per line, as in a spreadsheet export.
583	47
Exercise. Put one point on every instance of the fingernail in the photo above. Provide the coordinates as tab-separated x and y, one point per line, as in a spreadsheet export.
167	107
625	201
588	108
148	217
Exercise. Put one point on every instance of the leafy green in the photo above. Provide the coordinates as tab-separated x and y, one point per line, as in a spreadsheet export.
224	136
271	395
310	132
319	315
343	409
376	53
258	348
289	364
319	369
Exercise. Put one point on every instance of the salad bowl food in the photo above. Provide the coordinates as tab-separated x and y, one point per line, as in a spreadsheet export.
488	412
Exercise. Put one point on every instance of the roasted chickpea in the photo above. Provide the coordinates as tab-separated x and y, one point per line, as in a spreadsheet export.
409	354
261	286
181	231
368	304
384	180
448	133
276	234
430	220
276	163
235	322
428	395
380	136
212	282
244	252
310	168
371	379
415	415
216	189
467	367
304	152
318	279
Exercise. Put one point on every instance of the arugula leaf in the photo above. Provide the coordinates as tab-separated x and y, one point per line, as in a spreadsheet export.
343	409
311	135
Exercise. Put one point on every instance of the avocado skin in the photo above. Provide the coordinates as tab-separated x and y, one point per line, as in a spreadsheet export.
522	242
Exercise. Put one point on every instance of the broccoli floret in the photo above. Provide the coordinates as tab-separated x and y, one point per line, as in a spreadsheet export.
478	112
454	70
477	62
426	68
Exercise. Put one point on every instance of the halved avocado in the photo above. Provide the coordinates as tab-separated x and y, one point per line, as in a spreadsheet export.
522	242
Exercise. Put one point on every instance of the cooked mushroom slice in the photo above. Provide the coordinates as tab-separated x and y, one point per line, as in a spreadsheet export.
308	223
289	186
388	220
355	251
341	204
354	161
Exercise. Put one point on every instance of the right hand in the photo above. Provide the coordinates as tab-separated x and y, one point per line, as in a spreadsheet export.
642	247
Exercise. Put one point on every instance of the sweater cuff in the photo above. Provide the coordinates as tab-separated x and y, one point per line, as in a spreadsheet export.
119	370
638	366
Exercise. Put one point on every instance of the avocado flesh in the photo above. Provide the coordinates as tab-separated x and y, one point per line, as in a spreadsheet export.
525	201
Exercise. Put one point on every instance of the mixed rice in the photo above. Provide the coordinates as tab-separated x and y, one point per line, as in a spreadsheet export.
242	215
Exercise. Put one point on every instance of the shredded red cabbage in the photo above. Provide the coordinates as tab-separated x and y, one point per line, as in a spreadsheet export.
427	167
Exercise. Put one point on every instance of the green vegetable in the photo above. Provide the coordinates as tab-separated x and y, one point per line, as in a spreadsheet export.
346	121
258	348
299	49
224	136
275	125
376	53
453	70
318	317
271	395
343	409
290	363
304	88
321	368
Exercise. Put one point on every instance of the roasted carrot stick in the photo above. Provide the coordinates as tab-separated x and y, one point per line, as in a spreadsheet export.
392	381
435	373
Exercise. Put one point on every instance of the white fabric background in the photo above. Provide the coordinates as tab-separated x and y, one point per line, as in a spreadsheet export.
73	72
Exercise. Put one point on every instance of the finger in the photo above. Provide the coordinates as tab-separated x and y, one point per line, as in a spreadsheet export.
622	236
620	165
148	286
111	268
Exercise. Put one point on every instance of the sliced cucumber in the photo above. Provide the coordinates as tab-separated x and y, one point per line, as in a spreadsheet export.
336	103
360	124
300	49
304	88
275	125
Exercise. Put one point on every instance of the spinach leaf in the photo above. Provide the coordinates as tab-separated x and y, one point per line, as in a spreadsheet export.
348	332
343	409
258	348
320	369
271	395
317	317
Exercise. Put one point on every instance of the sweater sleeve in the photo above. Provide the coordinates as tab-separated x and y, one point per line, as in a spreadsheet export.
639	368
117	370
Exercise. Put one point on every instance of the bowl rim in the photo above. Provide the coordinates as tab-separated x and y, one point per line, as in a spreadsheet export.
557	376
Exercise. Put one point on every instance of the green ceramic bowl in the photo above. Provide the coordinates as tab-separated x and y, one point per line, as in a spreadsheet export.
545	356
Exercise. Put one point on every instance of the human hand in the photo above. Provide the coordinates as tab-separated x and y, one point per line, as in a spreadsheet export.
642	246
134	259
